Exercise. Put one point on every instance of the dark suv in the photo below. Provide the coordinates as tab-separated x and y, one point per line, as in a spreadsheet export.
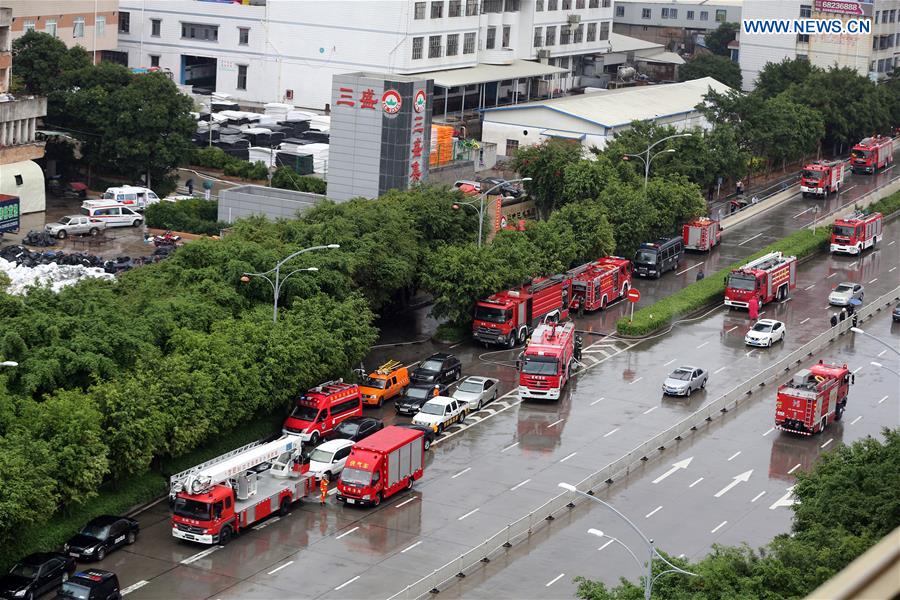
413	398
93	584
438	369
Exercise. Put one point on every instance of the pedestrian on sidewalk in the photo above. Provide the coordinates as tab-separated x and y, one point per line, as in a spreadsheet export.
739	188
323	487
190	186
700	274
834	320
843	314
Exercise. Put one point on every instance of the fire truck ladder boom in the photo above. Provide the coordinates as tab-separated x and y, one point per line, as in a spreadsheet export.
765	262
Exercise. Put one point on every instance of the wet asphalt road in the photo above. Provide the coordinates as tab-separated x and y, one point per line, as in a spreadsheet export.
507	459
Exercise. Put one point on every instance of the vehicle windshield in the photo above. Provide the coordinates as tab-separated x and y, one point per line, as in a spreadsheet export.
843	288
374	383
432	409
356	477
470	386
26	571
346	428
108	196
812	175
73	590
431	365
681	375
305	413
764	327
645	257
539	365
191	509
742	282
861	153
322	456
64	221
492	314
842	230
101	532
418	392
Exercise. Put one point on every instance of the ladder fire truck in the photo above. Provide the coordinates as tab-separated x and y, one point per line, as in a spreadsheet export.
769	277
871	154
813	398
599	283
221	497
821	178
701	233
856	232
548	361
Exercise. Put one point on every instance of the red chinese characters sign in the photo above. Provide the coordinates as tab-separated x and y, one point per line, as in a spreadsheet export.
347	97
420	102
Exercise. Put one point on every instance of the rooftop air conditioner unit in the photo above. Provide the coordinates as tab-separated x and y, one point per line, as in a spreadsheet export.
574	19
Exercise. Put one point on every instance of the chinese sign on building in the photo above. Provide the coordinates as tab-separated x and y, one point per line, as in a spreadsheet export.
9	213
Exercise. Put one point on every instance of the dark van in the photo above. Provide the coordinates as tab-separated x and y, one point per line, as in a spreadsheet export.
655	258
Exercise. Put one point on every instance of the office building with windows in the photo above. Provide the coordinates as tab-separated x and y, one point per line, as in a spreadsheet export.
91	24
674	23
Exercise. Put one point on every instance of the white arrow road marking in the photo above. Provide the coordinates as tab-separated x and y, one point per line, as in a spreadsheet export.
786	500
745	476
682	464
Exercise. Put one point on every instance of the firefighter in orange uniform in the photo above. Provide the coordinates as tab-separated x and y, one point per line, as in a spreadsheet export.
323	487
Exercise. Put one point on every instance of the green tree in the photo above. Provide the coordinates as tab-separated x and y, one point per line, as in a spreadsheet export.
673	200
785	131
585	179
545	164
286	178
717	41
593	233
632	218
42	61
775	78
720	68
28	493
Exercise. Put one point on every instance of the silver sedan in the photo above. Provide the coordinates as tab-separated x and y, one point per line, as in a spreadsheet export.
477	391
684	380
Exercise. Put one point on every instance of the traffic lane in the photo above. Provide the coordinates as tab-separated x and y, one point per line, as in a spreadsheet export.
712	499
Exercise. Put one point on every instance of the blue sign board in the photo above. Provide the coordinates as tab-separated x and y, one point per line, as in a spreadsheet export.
9	213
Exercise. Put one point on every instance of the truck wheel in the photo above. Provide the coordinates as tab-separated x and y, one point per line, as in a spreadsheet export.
520	337
225	536
61	234
838	412
462	418
409	484
377	499
285	506
427	444
511	343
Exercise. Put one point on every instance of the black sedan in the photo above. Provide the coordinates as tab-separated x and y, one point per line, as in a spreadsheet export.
356	428
413	398
502	186
101	536
36	574
428	431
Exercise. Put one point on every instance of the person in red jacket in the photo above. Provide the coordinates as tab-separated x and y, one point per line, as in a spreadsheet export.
753	308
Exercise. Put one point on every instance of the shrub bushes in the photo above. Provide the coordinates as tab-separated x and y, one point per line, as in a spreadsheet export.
191	216
286	178
216	158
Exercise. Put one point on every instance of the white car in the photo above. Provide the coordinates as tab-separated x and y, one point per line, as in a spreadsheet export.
844	292
765	333
684	380
440	412
329	458
477	391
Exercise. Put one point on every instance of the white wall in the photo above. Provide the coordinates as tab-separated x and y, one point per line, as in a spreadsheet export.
758	49
31	193
634	11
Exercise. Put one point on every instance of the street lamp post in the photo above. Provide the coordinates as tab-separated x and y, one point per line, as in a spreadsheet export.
881	366
279	280
645	157
877	339
649	579
481	197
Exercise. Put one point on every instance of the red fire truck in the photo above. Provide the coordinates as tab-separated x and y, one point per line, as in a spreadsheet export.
871	154
548	360
821	178
599	283
322	408
812	399
769	277
508	317
220	498
381	465
701	234
856	233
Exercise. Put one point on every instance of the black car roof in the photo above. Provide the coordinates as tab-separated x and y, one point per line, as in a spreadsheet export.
39	558
103	520
439	356
358	420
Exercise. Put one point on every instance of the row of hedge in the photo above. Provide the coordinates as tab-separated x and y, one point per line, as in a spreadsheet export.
216	158
711	289
192	216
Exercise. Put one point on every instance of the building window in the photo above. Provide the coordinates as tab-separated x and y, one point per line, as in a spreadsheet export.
620	10
453	44
471	11
154	60
565	34
491	6
469	43
607	3
893	15
721	15
437	9
29	26
417	48
455	9
690	15
802	38
704	15
552	4
592	32
49	27
243	36
579	4
665	13
196	31
78	27
579	34
419	11
604	30
491	39
538	5
507	30
511	147
510	5
567	4
19	179
669	13
155	27
434	46
805	11
100	25
645	13
124	22
538	37
242	77
594	4
551	36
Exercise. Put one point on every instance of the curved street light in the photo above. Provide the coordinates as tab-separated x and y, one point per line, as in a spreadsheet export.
645	157
877	339
649	579
279	281
881	366
480	208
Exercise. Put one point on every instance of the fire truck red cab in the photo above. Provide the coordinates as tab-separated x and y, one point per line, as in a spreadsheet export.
871	154
856	233
381	465
548	361
701	234
597	284
508	317
821	178
769	277
813	398
322	408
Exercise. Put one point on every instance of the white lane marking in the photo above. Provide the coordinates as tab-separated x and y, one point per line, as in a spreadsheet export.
718	527
701	345
274	519
809	287
826	443
848	189
794	468
758	496
762	312
464	471
605	545
830	276
689	268
276	569
650	410
681	555
882	400
695	483
555	423
510	447
751	352
891	243
134	586
518	485
408	548
554	580
611	432
597	400
468	514
332	491
653	512
346	583
874	280
854	421
804	320
857	369
457	344
881	353
568	457
405	502
669	363
726	331
719	370
771	429
348	532
891	270
800	214
750	239
635	381
735	455
200	555
853	264
785	500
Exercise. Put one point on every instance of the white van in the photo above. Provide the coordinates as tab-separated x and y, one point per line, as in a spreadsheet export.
137	198
114	214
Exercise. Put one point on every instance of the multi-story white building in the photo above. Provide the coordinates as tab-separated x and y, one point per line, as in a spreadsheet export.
875	54
288	50
673	22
